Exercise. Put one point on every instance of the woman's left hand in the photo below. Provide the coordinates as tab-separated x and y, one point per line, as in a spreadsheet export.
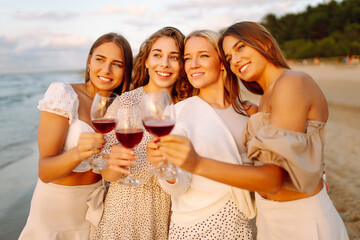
180	151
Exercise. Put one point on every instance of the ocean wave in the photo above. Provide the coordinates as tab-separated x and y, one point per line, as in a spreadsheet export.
19	116
14	152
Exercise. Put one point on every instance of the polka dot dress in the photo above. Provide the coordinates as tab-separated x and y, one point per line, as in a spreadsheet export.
135	213
228	223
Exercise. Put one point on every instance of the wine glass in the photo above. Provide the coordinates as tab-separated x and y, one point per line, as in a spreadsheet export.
158	117
102	121
129	133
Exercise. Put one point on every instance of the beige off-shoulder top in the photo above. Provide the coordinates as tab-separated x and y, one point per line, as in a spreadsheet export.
300	154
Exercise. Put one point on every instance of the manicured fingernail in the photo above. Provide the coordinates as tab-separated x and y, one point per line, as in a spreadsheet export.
157	140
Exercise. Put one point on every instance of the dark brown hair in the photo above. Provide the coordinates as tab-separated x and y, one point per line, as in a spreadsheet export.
257	37
182	88
128	58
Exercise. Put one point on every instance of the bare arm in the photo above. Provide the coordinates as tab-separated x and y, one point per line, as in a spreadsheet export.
179	150
53	164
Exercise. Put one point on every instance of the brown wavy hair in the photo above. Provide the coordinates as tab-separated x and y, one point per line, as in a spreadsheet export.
120	41
182	88
259	38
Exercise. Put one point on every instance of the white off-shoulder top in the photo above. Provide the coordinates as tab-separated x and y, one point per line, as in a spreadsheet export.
300	154
61	99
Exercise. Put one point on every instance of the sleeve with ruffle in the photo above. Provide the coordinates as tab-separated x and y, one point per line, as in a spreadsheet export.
60	99
300	154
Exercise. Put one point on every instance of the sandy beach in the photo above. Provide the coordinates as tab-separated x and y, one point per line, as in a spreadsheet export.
341	85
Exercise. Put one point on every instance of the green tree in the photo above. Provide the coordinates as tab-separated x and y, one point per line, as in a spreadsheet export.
328	29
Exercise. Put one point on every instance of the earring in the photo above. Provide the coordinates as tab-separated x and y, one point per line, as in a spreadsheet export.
88	70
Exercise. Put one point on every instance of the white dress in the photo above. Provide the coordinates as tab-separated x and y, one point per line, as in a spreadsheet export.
301	155
61	212
138	213
203	208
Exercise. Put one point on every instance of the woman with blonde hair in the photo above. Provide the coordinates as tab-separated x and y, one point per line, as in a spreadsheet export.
213	120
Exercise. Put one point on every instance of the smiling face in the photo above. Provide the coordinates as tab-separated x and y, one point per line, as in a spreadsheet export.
163	64
245	62
202	63
106	67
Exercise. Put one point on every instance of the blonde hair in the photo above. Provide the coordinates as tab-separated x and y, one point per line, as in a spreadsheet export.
231	86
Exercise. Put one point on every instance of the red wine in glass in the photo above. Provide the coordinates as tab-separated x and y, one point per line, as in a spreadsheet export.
104	125
159	126
130	137
129	133
158	116
103	121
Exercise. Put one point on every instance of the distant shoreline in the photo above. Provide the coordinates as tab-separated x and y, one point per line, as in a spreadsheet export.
80	71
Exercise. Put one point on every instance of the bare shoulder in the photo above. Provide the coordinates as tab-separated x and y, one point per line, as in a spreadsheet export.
292	80
295	86
296	98
77	86
250	107
80	90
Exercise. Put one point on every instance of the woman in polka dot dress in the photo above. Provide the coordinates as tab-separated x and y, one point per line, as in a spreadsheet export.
143	212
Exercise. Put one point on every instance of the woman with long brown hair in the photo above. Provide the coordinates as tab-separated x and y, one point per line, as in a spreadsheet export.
143	212
67	141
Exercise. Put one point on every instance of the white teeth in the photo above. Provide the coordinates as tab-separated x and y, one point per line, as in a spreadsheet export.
164	74
244	68
105	79
197	74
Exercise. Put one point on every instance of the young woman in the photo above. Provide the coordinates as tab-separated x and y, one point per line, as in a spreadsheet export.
214	121
143	212
66	139
285	139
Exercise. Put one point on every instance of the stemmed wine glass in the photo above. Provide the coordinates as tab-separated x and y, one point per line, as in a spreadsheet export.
101	121
129	133
158	117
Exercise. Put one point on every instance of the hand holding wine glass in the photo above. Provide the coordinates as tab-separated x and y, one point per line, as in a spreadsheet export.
129	133
158	116
101	121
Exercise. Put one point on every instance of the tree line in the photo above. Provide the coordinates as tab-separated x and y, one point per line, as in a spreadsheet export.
327	30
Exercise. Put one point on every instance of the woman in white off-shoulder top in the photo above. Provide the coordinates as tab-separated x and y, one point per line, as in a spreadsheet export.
285	139
67	201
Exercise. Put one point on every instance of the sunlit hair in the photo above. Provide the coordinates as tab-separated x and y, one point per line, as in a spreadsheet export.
257	37
120	41
231	85
182	88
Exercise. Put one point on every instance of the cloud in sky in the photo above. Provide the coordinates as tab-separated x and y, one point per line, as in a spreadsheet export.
44	16
42	35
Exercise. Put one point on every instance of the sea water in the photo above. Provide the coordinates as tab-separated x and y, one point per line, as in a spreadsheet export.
19	116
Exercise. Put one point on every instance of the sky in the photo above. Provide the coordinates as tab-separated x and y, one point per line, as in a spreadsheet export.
48	35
